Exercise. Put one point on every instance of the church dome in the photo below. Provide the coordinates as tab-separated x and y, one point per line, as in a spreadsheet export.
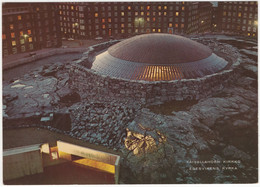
158	57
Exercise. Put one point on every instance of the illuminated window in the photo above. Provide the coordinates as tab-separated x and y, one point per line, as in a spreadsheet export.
129	7
248	34
122	13
224	13
159	8
109	20
30	39
148	8
165	7
13	43
159	30
183	8
103	20
176	25
182	25
170	24
249	22
165	13
159	13
11	26
21	33
147	19
122	25
72	7
142	13
29	31
177	14
12	35
142	7
103	26
96	14
153	18
3	36
122	31
136	13
22	41
19	17
148	13
153	30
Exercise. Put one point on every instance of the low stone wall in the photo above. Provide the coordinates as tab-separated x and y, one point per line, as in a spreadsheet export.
35	57
86	80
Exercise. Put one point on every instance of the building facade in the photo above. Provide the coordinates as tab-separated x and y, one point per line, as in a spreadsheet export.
28	27
90	20
238	17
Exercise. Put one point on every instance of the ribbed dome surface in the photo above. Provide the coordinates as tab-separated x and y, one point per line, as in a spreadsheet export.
158	57
159	49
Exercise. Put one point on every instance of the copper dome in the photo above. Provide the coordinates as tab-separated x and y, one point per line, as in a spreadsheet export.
158	57
159	49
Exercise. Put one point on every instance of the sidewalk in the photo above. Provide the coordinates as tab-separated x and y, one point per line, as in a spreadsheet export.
67	47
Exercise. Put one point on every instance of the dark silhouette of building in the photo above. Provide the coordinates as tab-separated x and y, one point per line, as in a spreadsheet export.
238	17
29	26
205	17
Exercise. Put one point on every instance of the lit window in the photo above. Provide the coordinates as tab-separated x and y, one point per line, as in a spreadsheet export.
142	7
103	20
19	17
96	14
182	25
147	19
12	35
11	26
129	7
22	41
30	39
183	8
176	25
122	13
103	26
170	24
248	34
136	13
60	12
177	14
165	13
165	7
122	31
159	13
148	13
239	14
21	33
13	43
224	13
159	30
148	8
109	20
142	13
29	31
3	36
122	25
153	18
153	30
72	7
159	8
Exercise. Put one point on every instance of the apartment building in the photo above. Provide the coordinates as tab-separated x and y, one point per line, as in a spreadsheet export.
238	17
94	19
28	27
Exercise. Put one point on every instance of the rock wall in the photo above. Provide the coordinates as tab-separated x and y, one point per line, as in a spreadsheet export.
88	81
